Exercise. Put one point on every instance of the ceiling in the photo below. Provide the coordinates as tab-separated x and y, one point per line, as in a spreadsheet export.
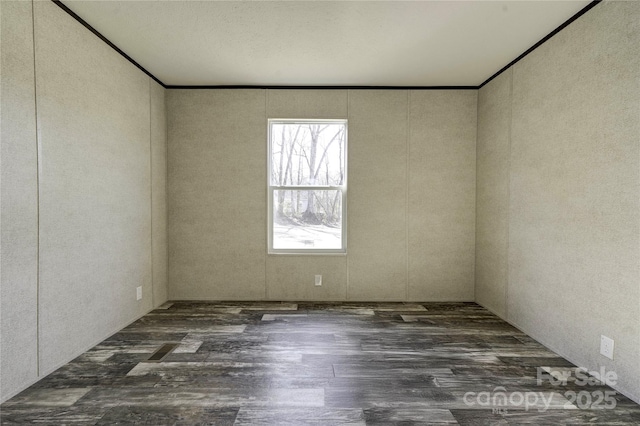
324	43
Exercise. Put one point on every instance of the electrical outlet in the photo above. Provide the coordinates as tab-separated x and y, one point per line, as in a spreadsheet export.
139	293
606	346
318	280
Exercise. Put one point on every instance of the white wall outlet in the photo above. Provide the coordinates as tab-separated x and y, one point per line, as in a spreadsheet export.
606	346
139	293
318	280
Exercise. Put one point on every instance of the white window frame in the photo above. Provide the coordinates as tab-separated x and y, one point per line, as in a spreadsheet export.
272	188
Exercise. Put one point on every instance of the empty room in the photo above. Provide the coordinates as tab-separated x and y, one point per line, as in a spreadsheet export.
320	212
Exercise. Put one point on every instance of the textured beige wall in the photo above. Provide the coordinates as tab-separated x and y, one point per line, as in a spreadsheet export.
574	212
292	277
217	194
76	192
217	157
442	195
19	201
377	200
95	222
492	208
160	277
307	104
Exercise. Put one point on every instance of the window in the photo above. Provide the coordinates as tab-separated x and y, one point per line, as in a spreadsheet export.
307	186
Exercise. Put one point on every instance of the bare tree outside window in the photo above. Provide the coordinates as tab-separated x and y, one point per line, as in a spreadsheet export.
307	186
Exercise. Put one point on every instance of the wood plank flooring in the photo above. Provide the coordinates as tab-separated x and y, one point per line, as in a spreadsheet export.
318	364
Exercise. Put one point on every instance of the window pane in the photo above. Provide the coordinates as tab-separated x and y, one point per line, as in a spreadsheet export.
307	154
307	219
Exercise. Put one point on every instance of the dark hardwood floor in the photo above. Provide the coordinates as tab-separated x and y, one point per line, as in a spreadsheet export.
321	364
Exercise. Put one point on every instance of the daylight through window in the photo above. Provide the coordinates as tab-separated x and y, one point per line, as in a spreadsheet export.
307	186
